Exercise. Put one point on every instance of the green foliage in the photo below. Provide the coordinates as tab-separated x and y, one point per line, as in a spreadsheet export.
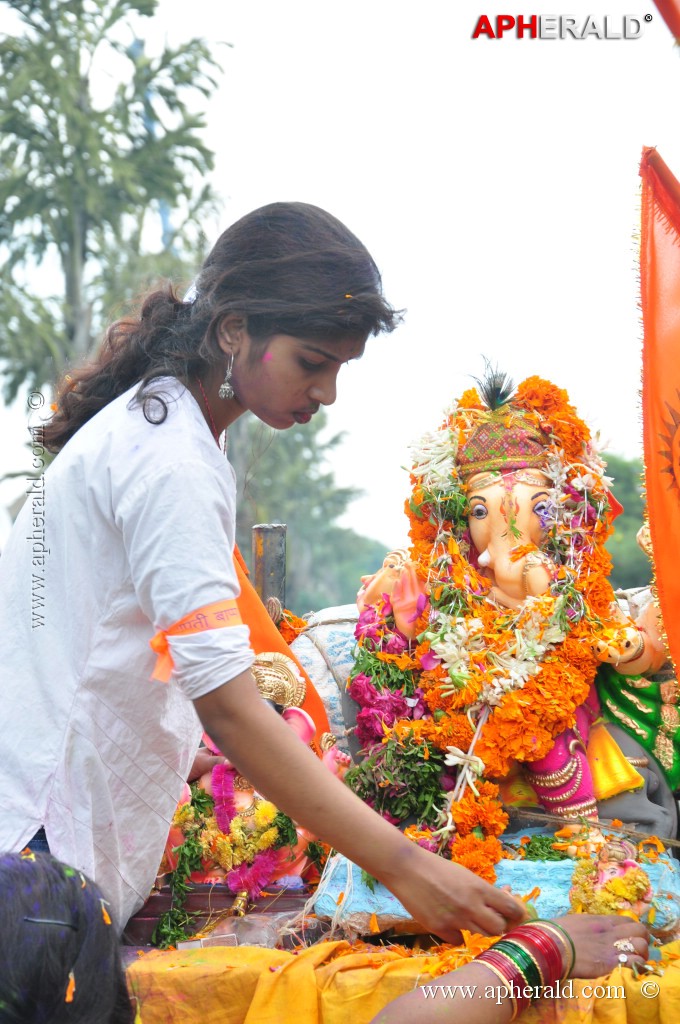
317	853
80	178
368	880
176	924
396	776
283	478
287	831
384	674
631	565
541	848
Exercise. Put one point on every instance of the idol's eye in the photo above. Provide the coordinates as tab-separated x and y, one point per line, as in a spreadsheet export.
541	508
479	512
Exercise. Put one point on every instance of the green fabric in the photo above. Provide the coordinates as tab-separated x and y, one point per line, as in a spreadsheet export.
622	698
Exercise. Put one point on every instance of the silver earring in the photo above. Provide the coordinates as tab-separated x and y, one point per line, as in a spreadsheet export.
226	388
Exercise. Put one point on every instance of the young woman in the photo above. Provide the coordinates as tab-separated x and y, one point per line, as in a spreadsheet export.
130	533
58	949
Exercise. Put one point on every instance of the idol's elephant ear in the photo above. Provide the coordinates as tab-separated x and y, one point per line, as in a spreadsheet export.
653	808
409	598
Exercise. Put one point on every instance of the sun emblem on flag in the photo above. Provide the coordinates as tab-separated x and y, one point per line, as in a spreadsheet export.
672	452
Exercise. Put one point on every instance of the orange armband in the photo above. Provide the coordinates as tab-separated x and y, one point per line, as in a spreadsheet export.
210	616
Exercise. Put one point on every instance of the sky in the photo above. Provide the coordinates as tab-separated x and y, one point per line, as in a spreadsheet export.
495	182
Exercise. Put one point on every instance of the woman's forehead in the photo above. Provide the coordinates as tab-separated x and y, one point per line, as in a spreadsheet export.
340	351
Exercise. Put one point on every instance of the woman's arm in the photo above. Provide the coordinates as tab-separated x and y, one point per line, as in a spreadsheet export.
475	994
442	896
471	995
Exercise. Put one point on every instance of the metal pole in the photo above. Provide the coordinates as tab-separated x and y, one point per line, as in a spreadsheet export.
269	559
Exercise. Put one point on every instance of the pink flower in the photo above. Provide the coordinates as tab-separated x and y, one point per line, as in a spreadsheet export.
362	690
416	703
252	878
420	607
223	795
383	711
368	625
396	644
429	660
428	844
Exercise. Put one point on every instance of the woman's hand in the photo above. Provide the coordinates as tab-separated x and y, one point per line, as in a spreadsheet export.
204	762
445	897
594	936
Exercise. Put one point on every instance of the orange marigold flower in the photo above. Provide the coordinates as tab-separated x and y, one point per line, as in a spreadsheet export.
478	855
484	811
290	626
470	400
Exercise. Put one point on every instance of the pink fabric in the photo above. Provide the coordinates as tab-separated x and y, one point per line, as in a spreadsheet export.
560	755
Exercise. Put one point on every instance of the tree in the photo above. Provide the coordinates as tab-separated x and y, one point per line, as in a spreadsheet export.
631	565
283	478
80	178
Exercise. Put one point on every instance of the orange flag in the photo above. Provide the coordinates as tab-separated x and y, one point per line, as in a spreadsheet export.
660	294
670	12
264	636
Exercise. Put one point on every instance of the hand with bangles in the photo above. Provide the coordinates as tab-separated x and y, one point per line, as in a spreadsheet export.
537	957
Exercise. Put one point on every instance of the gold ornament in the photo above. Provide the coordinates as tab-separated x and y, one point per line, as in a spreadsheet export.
278	679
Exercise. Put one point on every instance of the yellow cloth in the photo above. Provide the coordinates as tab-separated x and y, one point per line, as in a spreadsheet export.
319	985
612	772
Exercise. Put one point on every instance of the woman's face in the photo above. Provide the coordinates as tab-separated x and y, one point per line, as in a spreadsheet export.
288	382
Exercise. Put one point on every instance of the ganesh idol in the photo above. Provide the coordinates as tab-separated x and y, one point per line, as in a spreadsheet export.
500	616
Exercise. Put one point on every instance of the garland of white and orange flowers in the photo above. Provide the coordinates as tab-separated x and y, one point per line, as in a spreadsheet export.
540	622
521	639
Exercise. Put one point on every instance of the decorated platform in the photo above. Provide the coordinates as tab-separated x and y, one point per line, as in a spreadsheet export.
333	983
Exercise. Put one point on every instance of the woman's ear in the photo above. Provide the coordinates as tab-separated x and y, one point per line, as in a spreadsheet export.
230	333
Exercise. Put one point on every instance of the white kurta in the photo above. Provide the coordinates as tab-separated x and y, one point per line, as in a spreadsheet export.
130	529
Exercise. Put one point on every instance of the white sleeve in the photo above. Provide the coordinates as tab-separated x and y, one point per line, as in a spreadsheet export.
178	530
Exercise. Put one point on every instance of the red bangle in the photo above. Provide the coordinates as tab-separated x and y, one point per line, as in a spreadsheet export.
512	996
564	940
518	987
539	941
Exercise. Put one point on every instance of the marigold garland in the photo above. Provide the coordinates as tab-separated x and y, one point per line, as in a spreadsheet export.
290	626
245	846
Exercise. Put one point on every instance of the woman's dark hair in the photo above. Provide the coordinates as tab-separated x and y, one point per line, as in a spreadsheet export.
288	268
59	958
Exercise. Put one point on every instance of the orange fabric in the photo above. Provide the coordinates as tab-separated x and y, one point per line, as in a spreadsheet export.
670	12
660	294
210	616
264	636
